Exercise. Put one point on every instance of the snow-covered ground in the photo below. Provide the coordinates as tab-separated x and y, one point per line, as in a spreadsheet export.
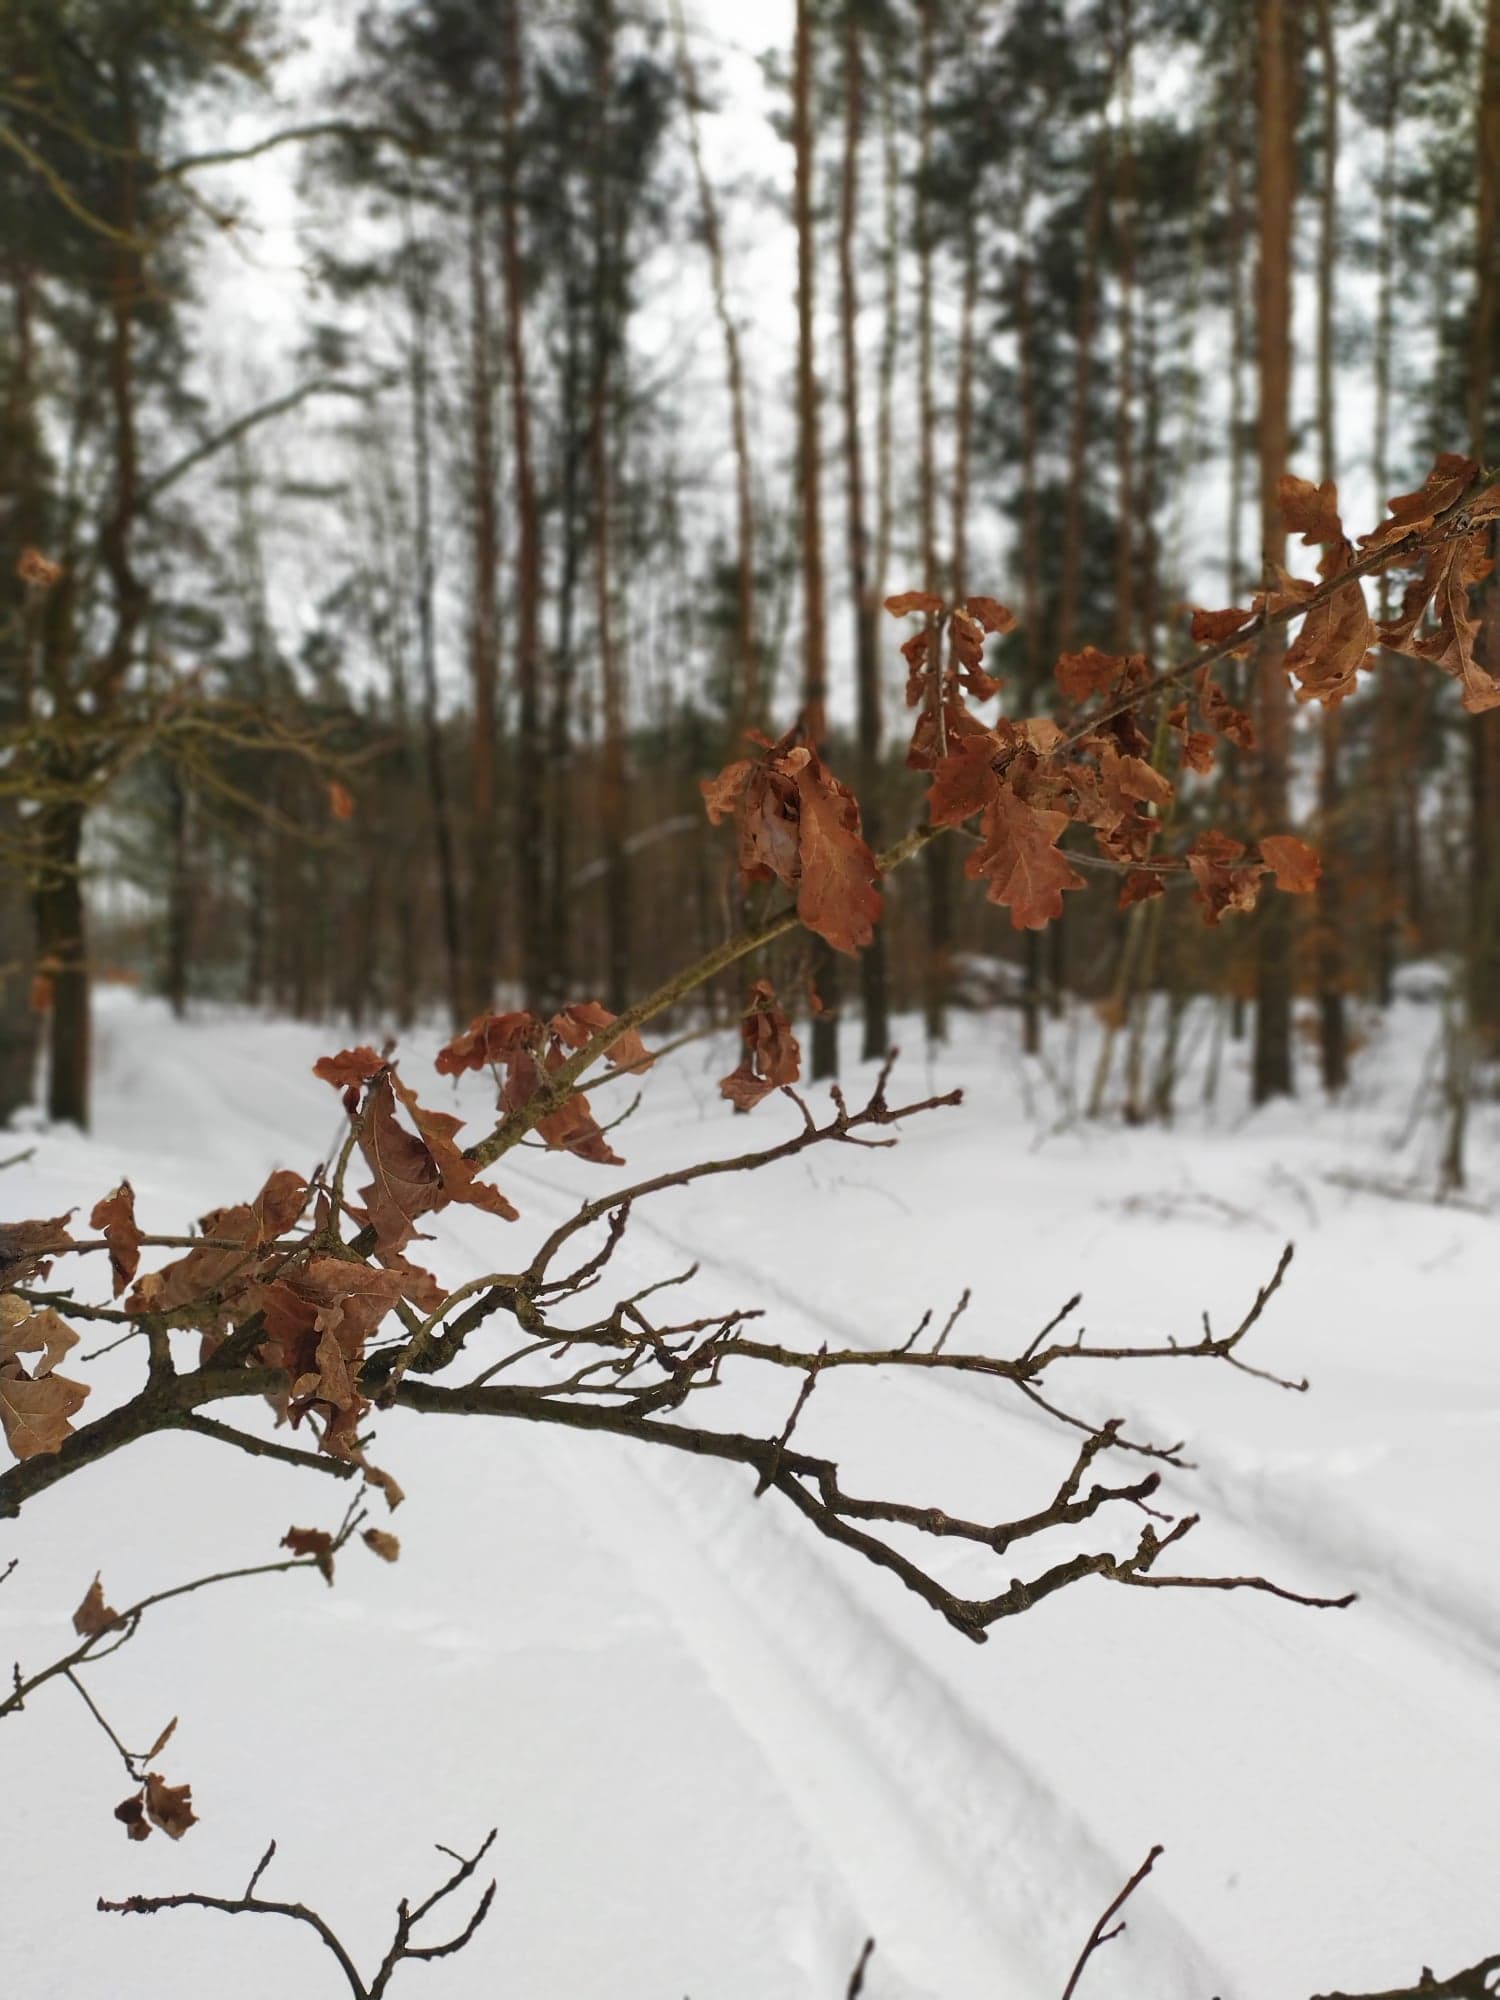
719	1752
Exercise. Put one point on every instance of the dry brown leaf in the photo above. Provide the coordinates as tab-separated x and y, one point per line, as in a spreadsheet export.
1083	675
1020	859
1225	882
1212	628
314	1542
384	1544
350	1067
1140	885
115	1217
169	1806
1295	865
25	1246
907	601
35	1410
94	1617
992	615
837	896
965	781
771	1057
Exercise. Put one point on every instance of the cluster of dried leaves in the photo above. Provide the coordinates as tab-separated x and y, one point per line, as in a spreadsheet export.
1029	781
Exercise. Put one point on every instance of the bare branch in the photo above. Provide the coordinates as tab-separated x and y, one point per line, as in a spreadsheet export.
1475	1982
401	1949
1101	1933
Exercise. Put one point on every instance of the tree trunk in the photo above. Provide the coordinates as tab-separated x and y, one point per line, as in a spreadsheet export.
809	462
936	861
529	749
1333	1026
1484	730
432	736
614	797
485	872
1031	602
1387	839
877	1033
1078	426
747	698
1125	502
20	616
890	331
1273	1021
560	802
62	951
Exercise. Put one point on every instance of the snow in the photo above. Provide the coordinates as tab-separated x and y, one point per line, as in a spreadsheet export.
719	1751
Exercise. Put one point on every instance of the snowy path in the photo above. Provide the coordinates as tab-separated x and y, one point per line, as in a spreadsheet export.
719	1752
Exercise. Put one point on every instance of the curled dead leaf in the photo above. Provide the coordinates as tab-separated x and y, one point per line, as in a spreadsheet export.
94	1617
169	1806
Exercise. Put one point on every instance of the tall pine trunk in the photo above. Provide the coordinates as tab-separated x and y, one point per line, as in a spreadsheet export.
746	703
530	748
873	988
809	466
426	612
1333	1024
614	798
1272	1062
1484	730
485	874
1387	829
936	860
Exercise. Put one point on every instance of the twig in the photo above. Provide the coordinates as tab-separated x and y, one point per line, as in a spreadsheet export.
1101	1933
407	1919
856	1984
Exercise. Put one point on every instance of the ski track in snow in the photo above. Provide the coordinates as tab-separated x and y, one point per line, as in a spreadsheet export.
1319	1779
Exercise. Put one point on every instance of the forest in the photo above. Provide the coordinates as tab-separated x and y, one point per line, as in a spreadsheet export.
922	571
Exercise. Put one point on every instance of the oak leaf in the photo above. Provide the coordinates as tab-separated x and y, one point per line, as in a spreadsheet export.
35	1410
965	781
722	794
576	1026
1295	865
1083	675
1212	628
771	1057
488	1039
115	1216
1337	634
1020	859
1225	881
1413	513
1308	510
169	1806
211	1282
837	896
94	1617
314	1542
992	615
384	1544
1140	885
1444	588
1220	714
41	1332
350	1067
907	601
25	1247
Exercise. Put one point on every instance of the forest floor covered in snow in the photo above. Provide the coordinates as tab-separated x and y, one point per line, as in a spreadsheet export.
720	1751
